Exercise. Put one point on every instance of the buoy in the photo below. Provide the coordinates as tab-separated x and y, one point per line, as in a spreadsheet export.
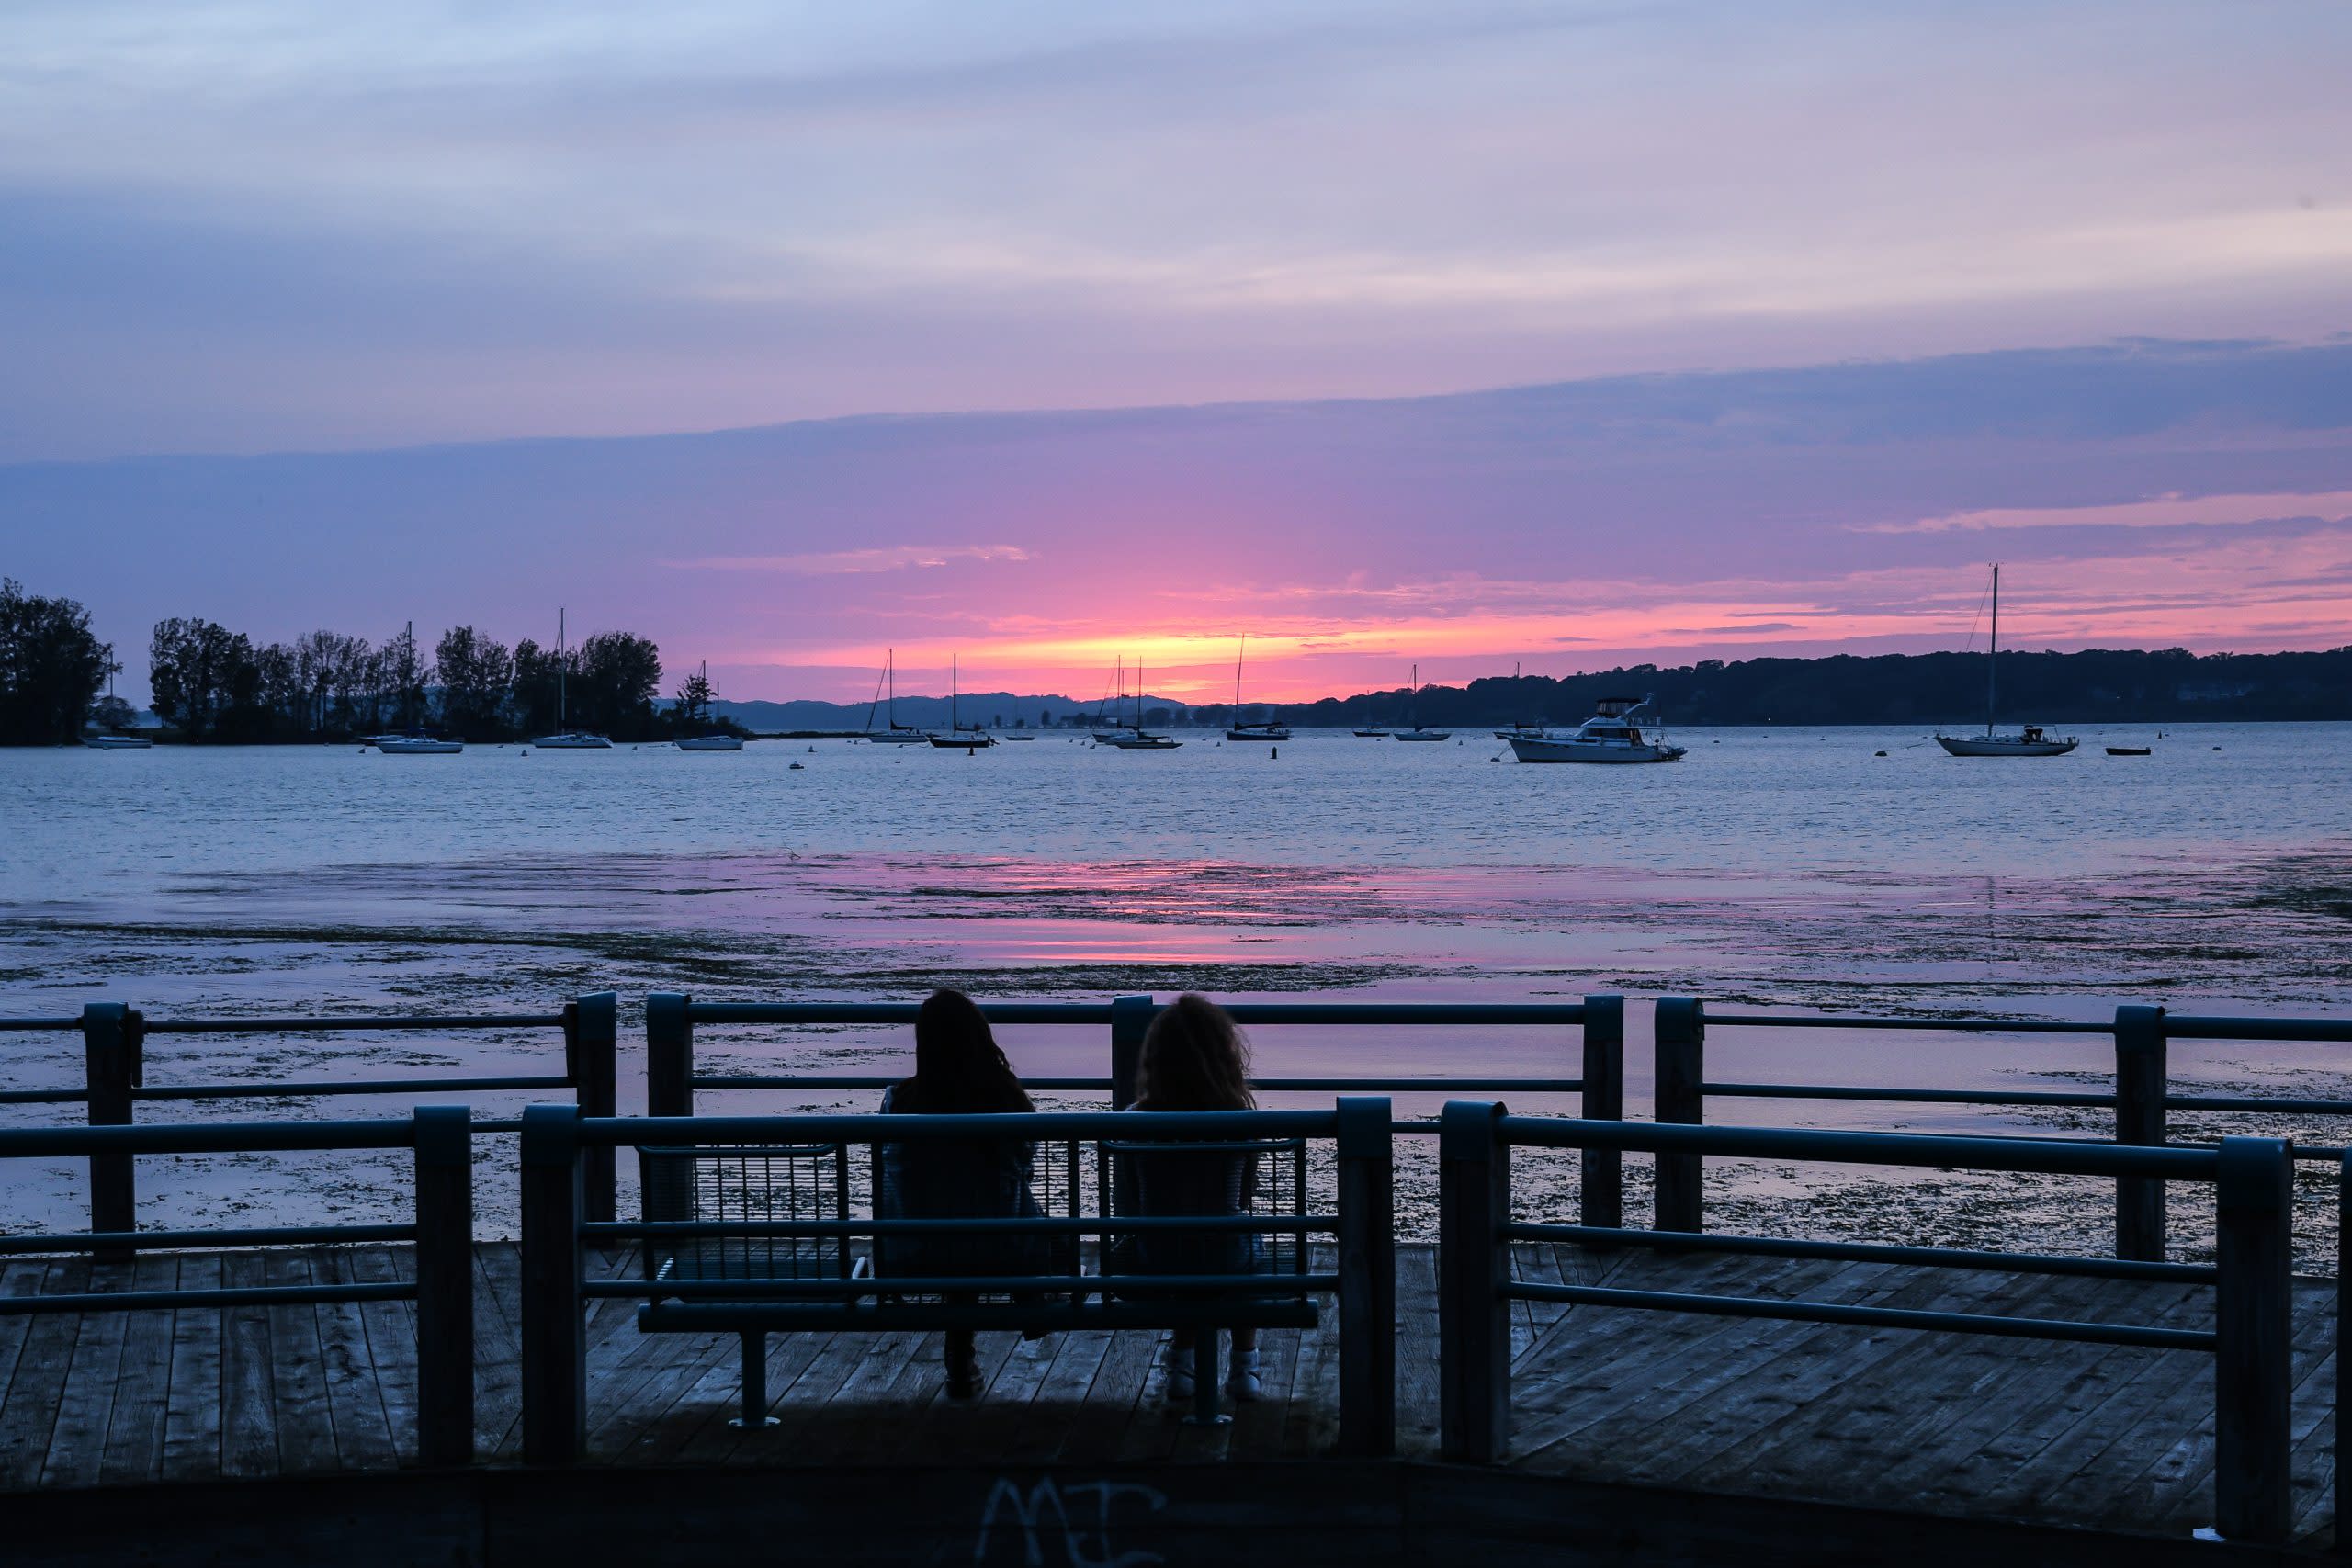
1878	753
1272	752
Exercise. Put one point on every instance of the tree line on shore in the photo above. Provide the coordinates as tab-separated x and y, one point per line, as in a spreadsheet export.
211	683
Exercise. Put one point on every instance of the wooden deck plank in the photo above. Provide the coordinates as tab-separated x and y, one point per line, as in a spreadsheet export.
77	1441
1077	1358
298	1373
389	1330
248	1402
30	1413
18	1277
192	1416
1111	1399
363	1429
498	1349
134	1441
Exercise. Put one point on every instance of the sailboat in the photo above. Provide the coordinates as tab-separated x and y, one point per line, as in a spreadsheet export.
1413	710
2026	741
1520	727
1270	730
958	738
897	734
116	740
414	741
710	739
567	739
1135	738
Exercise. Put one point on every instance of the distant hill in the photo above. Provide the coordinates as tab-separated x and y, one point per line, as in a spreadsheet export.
2099	685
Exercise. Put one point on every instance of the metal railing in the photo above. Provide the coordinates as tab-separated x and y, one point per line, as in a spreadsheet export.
2141	1099
2251	1341
555	1235
114	1056
442	1232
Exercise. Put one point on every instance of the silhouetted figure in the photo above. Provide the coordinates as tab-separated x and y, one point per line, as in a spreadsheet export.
959	1070
1194	1058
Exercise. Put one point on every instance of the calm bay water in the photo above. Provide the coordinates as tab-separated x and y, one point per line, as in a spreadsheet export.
1770	868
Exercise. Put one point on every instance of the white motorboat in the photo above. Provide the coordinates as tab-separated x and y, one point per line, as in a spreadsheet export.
1412	711
567	739
896	734
1268	729
2028	740
416	745
955	738
116	742
1611	734
713	742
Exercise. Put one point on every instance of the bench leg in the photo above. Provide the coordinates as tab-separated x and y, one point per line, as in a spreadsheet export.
1204	1386
755	1385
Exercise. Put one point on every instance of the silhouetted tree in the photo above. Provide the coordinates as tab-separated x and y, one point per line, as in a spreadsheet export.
205	680
50	668
617	680
477	677
693	709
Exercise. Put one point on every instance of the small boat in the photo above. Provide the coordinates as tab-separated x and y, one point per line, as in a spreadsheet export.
1134	737
415	744
1412	711
712	743
1271	730
567	739
116	742
2131	750
1521	727
896	734
1610	735
2028	740
1373	734
958	738
1017	736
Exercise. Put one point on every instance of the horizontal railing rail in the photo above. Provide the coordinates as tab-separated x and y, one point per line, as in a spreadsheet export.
554	1233
2141	1099
672	1080
2253	1184
441	1138
114	1055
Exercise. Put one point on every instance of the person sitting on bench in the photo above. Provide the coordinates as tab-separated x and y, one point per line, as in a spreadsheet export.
959	1069
1194	1058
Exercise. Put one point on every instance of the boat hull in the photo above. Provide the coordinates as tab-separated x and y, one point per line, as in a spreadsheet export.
1257	732
1548	749
962	742
710	743
1371	734
1148	743
573	742
901	737
116	743
1422	735
2002	746
420	747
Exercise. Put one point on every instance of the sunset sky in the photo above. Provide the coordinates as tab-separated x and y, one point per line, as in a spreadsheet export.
1050	333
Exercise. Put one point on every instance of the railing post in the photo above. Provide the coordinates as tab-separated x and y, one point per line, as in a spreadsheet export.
2253	1377
110	1064
554	1346
669	1055
2140	1079
1680	1027
444	1285
1603	1195
591	1030
1130	1022
1367	1277
1474	1264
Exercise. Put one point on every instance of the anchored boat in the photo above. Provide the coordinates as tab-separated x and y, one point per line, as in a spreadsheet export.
2026	741
1611	734
1271	730
567	739
1413	711
1134	737
958	738
897	734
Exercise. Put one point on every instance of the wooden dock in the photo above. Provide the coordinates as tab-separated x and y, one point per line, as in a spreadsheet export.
1964	1426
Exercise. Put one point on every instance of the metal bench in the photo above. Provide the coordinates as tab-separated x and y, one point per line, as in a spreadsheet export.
763	1239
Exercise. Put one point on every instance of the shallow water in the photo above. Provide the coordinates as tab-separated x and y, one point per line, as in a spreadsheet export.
1779	868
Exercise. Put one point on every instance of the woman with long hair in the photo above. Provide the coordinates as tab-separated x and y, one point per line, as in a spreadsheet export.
959	1070
1197	1058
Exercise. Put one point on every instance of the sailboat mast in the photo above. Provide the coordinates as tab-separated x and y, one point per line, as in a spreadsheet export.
560	692
955	688
1992	653
1239	650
